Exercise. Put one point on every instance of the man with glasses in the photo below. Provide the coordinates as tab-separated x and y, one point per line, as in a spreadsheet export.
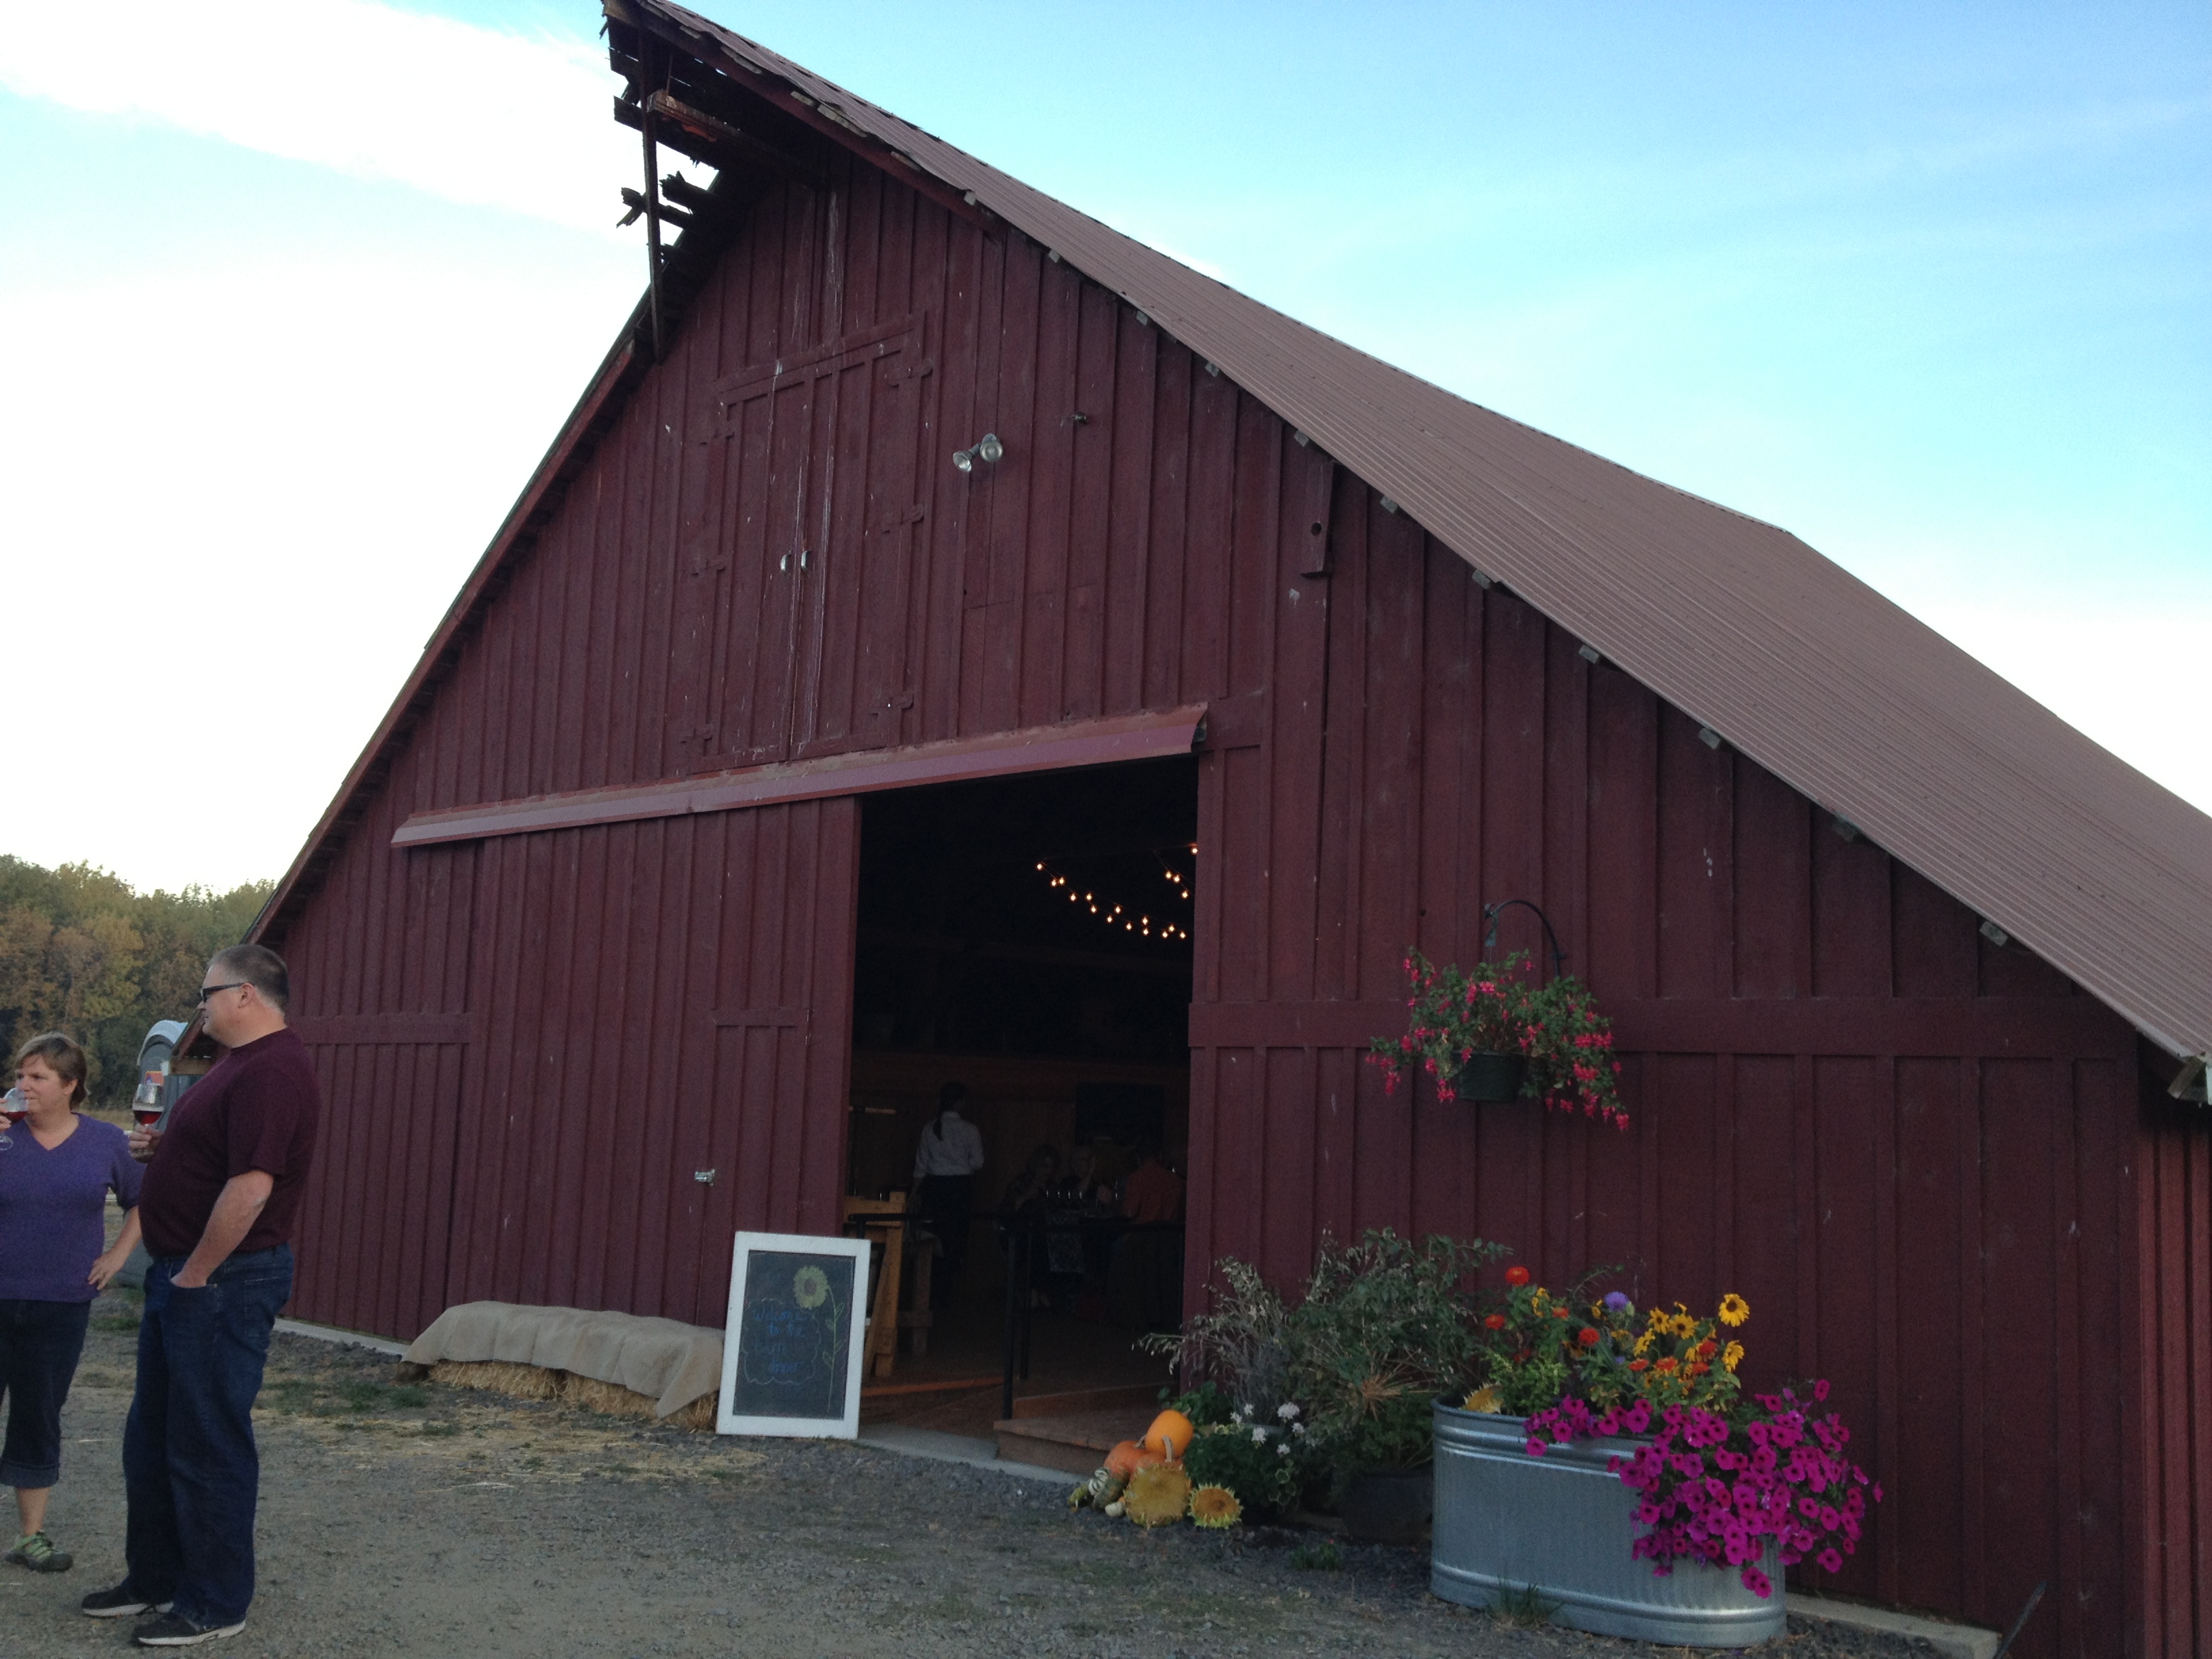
222	1187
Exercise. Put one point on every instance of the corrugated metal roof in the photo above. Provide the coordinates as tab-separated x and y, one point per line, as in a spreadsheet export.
1802	666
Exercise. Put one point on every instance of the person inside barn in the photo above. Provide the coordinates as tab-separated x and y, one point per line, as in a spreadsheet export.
946	1160
223	1188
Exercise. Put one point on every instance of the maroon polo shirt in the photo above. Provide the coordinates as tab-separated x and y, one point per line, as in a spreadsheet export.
256	1109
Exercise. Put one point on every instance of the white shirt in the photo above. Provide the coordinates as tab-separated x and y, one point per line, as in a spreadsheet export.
950	1145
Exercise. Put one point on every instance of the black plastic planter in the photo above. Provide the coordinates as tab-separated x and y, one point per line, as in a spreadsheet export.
1490	1076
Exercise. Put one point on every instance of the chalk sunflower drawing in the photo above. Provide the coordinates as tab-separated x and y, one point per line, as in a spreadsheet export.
811	1287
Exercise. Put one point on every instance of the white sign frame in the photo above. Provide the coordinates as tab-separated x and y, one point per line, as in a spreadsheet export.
844	1427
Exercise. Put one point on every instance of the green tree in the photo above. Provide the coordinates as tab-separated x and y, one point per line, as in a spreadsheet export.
81	952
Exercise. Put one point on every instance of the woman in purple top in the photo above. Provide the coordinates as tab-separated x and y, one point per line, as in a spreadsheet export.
54	1183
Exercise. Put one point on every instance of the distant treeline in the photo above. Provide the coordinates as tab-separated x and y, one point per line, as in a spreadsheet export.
81	952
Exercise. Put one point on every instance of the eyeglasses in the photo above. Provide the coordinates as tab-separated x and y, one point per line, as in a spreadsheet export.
207	991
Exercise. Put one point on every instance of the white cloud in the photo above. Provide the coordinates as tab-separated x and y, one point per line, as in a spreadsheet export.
473	115
221	578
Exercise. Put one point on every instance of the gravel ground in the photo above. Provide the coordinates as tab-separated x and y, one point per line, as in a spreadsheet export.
419	1520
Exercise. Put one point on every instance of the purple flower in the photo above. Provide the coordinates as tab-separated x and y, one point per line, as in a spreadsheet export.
1757	1582
1619	1304
1831	1560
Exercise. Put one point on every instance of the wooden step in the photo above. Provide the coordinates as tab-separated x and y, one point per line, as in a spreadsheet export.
1075	1441
1134	1396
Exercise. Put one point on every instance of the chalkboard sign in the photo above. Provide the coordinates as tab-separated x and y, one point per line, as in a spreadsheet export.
793	1348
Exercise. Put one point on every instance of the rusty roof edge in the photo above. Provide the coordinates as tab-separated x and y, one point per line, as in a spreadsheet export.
1297	389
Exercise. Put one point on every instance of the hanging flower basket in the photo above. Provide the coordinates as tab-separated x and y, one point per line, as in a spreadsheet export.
1490	1035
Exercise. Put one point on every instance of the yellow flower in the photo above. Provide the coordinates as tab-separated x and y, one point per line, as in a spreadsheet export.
1734	1309
1490	1398
1682	1324
1644	1343
1215	1507
1732	1355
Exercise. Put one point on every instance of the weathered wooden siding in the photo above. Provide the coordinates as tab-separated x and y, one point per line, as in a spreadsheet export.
2173	1182
1897	1139
1905	1146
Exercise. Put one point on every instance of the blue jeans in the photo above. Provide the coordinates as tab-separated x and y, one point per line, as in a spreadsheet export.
39	1342
190	1468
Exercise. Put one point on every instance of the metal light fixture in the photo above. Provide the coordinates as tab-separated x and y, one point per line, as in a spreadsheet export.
987	449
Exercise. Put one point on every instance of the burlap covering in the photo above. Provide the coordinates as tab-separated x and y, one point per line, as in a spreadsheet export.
667	1362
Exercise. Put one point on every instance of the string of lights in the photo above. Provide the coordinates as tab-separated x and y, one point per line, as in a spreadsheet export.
1165	921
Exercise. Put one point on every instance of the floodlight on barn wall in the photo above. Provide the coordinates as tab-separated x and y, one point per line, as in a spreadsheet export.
987	449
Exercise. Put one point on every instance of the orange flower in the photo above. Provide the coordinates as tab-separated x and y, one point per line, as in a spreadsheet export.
1639	1365
1695	1368
1667	1364
1517	1274
1587	1336
1707	1348
1496	1322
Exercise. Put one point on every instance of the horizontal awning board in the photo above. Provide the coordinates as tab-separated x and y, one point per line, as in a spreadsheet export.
1150	736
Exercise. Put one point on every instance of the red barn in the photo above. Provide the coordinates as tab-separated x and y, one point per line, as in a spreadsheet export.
724	813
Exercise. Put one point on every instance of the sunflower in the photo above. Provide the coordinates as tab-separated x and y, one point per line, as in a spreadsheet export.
810	1285
1216	1507
1682	1324
1489	1398
1734	1309
1644	1343
1732	1356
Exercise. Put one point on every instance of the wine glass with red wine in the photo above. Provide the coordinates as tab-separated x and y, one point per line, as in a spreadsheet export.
146	1104
12	1106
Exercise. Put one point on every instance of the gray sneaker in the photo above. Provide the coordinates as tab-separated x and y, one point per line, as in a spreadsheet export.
36	1550
174	1630
120	1602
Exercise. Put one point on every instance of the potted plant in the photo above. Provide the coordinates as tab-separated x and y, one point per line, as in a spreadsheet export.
1337	1386
1492	1035
1601	1452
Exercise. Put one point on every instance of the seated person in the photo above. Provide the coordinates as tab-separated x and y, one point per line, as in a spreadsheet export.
1153	1192
1026	1192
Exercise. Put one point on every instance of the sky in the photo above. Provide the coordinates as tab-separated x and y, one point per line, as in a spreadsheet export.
294	292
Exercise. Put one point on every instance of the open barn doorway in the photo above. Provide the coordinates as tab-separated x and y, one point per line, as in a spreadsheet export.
1024	951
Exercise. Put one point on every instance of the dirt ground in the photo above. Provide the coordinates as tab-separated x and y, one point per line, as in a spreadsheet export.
416	1520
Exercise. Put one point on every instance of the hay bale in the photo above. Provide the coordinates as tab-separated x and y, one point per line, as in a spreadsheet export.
615	1400
523	1382
536	1383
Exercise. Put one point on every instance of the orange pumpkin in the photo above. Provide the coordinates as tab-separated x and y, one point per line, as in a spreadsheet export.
1169	1435
1128	1457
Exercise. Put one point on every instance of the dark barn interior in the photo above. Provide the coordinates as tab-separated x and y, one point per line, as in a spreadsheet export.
1029	938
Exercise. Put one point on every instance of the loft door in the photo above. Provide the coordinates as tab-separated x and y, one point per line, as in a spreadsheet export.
800	528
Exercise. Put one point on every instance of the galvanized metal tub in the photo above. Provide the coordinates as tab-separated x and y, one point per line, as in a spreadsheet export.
1564	1523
